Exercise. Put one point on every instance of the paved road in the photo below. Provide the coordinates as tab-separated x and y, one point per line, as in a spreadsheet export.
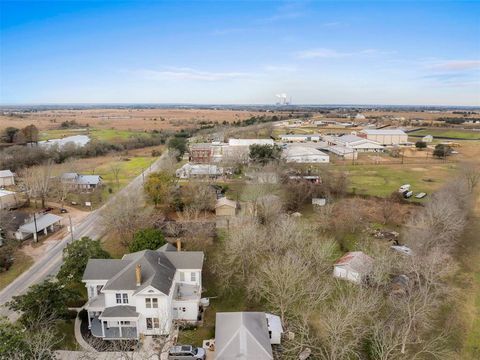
50	262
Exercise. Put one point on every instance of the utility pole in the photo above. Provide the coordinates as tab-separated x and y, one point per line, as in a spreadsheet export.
36	230
71	226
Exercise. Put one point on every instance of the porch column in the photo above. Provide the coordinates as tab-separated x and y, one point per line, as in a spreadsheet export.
138	332
120	327
45	231
35	236
89	321
103	329
51	228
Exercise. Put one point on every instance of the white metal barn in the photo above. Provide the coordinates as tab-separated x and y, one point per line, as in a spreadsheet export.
305	155
353	266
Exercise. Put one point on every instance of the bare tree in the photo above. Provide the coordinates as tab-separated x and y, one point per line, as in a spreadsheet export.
115	168
126	215
37	181
470	173
288	285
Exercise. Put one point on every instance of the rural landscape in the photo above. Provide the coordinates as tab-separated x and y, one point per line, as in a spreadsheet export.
172	213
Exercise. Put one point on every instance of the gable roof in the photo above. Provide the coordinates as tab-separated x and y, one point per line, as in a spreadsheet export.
5	173
224	201
88	179
103	269
356	260
242	336
157	267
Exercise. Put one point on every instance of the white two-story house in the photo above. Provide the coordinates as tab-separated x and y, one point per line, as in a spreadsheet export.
143	293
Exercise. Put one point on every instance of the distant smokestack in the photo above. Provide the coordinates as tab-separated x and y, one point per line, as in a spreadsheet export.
179	245
138	274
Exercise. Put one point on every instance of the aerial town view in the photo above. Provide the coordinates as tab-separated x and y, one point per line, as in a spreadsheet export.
239	180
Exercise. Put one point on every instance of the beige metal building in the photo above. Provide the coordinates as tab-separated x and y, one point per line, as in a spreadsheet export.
385	136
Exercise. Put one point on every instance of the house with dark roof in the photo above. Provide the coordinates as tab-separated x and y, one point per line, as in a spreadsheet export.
143	293
79	181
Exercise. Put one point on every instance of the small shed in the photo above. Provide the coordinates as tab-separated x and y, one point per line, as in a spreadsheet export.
353	266
42	223
8	199
427	138
275	329
6	178
225	207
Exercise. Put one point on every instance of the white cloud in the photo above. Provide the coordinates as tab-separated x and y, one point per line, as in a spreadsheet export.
323	53
174	73
456	65
281	68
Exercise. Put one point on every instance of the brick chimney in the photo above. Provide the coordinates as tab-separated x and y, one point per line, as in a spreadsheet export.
179	245
138	274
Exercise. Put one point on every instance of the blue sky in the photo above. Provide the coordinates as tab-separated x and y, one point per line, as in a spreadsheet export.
240	52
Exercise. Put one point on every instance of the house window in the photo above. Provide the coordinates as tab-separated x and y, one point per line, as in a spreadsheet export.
153	323
151	303
193	276
121	298
124	322
182	276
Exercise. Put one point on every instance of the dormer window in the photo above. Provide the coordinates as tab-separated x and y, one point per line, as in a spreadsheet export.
151	303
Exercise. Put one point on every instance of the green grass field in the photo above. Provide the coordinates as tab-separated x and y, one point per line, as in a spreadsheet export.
110	135
66	329
21	264
450	133
382	180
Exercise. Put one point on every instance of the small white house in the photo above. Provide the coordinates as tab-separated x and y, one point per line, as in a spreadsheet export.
356	143
6	178
305	155
275	329
353	266
427	138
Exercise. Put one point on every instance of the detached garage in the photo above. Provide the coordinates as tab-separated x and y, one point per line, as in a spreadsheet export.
353	266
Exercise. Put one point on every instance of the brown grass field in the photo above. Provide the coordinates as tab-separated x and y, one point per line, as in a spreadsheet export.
126	119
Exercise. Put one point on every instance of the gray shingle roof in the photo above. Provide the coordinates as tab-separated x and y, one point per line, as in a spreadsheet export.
119	311
242	336
103	269
158	268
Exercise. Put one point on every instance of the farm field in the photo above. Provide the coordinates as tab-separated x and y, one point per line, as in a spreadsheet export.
110	135
127	119
450	133
382	180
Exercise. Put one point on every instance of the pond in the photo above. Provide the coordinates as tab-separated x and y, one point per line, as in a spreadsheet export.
79	140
